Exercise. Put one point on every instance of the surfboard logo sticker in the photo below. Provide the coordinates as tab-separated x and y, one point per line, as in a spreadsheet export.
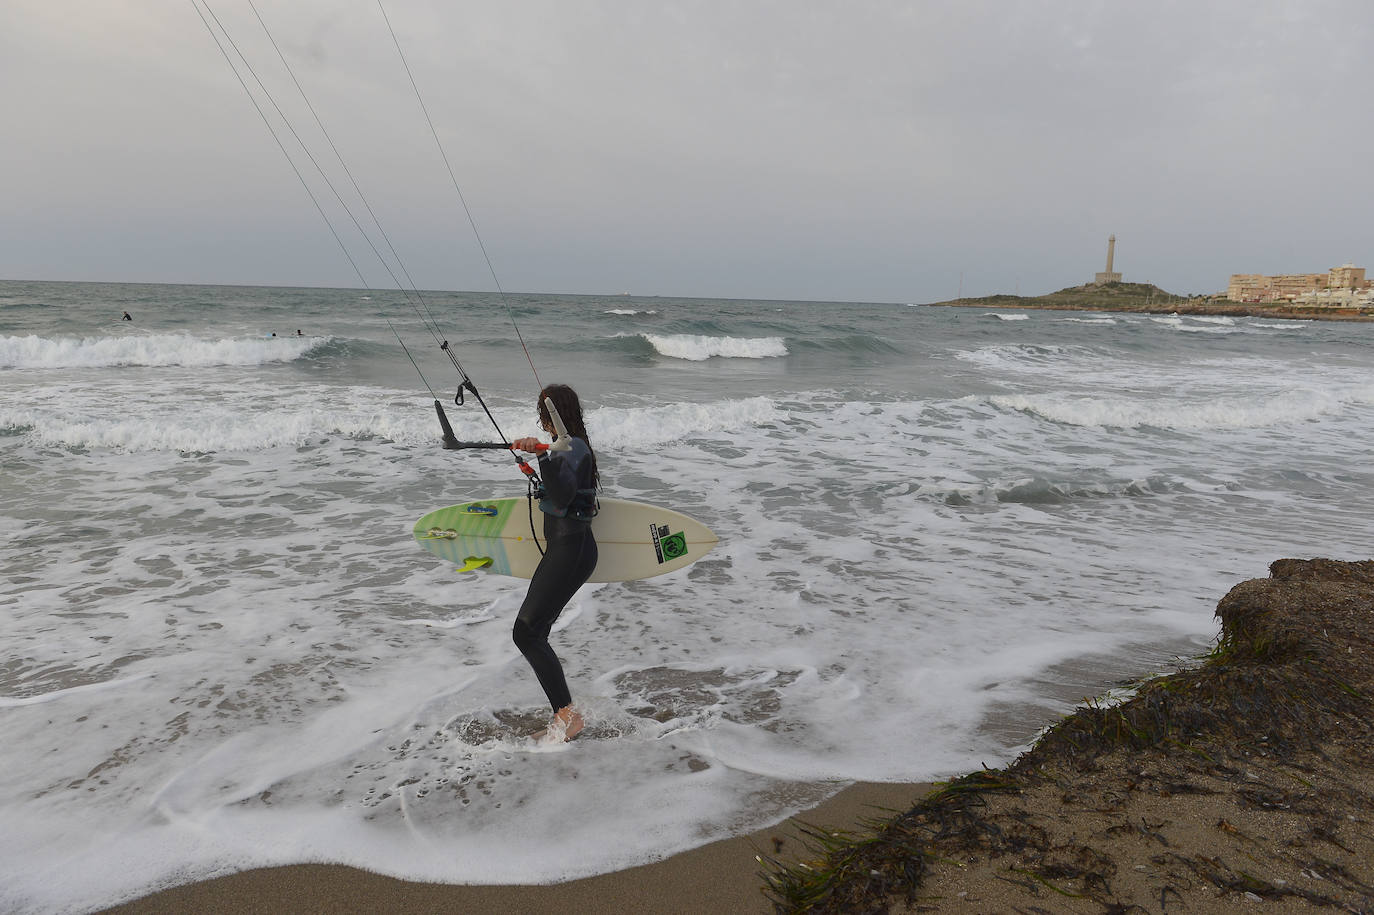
667	546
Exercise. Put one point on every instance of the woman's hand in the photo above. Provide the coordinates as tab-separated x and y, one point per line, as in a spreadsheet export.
528	445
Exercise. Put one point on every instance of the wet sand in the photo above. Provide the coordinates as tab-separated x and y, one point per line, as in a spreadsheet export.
724	876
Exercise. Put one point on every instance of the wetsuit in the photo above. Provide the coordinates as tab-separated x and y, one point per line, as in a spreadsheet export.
569	504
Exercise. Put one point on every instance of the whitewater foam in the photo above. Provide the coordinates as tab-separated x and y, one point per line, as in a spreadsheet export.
260	417
625	428
697	347
1244	412
249	417
155	350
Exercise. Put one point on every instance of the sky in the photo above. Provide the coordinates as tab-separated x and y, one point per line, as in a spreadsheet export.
779	149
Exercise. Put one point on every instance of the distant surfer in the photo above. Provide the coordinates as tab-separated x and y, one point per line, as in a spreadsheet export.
127	317
568	501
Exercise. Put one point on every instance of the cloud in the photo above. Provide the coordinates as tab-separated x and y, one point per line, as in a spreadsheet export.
868	150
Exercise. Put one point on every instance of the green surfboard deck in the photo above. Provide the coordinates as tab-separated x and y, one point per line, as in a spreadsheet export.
634	540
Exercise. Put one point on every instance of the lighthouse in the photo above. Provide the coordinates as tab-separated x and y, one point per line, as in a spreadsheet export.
1107	276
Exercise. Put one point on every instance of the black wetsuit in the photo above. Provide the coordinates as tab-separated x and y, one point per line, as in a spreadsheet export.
569	504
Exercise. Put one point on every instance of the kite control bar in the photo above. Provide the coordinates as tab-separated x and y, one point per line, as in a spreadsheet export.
451	442
492	446
562	442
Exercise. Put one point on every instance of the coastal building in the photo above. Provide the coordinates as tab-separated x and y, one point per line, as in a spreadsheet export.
1344	285
1338	298
1107	276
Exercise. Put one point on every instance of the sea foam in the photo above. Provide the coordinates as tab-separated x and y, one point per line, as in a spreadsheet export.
34	352
259	417
661	424
1230	412
250	417
697	347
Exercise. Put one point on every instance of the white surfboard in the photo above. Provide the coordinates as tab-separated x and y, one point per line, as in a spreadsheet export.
634	540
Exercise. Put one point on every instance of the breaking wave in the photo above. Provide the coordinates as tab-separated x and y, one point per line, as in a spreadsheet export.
157	350
696	347
1242	412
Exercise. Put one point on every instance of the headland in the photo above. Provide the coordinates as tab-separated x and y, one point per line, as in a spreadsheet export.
1146	298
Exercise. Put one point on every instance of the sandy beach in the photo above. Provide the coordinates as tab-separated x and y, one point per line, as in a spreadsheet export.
723	876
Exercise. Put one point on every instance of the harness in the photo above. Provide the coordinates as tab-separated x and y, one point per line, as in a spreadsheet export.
583	507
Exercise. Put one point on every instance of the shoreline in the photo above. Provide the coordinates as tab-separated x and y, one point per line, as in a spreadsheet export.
1210	309
721	876
1246	780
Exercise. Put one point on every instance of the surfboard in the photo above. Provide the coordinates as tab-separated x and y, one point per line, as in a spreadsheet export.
634	540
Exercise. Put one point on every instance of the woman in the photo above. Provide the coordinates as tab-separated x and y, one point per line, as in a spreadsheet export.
568	501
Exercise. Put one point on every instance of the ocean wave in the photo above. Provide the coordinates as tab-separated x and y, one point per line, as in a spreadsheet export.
209	431
636	427
1023	357
156	350
697	347
629	311
1043	491
850	343
1205	324
1195	329
1006	317
1243	412
259	420
242	418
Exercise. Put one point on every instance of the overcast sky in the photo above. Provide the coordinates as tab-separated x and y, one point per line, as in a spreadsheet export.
798	149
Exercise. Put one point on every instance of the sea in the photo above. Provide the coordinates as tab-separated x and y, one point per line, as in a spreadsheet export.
940	530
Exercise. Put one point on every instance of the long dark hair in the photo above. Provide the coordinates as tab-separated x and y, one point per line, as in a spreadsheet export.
570	409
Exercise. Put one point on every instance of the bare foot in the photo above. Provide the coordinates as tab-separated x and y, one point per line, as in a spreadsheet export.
569	720
566	724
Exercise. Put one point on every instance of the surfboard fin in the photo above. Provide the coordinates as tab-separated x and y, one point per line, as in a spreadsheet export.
473	563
